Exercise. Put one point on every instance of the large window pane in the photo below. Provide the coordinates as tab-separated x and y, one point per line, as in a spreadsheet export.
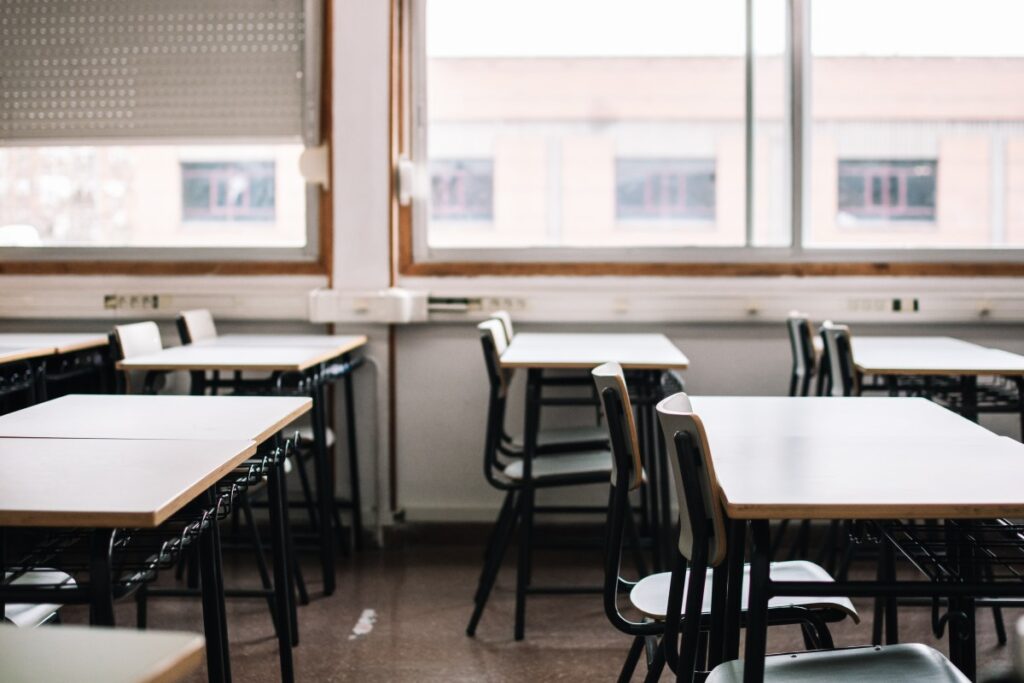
152	196
602	123
918	124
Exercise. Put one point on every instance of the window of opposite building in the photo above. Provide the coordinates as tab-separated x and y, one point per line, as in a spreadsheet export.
462	190
886	190
664	189
228	191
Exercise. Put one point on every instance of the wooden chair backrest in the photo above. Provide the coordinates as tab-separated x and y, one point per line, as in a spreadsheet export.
137	339
196	325
506	322
610	377
844	380
677	418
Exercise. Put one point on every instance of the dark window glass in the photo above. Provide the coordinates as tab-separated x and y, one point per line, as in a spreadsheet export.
899	189
664	189
228	191
462	189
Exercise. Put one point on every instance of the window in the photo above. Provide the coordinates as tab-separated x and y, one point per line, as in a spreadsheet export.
228	191
810	132
886	191
461	190
664	189
159	131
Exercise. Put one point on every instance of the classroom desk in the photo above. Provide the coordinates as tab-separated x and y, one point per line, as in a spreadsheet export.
257	419
309	368
893	357
918	465
73	653
644	357
102	485
343	343
70	355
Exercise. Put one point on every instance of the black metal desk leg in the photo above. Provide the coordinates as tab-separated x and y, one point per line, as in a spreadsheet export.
217	651
324	488
661	457
719	591
969	397
353	463
757	610
734	593
282	586
101	605
530	429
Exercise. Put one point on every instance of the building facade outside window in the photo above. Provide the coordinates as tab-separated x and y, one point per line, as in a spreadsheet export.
665	189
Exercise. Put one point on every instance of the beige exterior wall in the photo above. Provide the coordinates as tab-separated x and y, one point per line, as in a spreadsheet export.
1015	190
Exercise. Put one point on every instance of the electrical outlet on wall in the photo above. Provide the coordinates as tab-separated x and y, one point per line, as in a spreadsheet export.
132	302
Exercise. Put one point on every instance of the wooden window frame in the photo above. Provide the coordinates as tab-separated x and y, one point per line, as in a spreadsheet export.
405	264
321	265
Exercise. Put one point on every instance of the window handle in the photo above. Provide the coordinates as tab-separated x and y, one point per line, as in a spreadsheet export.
406	177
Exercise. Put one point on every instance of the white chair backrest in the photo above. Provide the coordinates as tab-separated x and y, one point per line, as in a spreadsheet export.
138	339
610	376
839	350
199	324
801	342
494	331
677	417
506	322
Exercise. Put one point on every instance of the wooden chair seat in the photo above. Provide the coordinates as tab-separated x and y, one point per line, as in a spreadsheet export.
27	615
588	462
596	435
650	594
881	663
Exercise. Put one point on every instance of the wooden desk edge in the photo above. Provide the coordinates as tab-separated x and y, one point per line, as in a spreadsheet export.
25	354
588	366
947	372
82	345
120	520
770	511
285	421
176	667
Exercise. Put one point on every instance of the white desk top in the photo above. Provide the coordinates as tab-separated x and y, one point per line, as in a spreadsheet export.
101	416
108	483
826	417
75	653
791	462
62	342
340	342
217	357
12	354
931	356
557	350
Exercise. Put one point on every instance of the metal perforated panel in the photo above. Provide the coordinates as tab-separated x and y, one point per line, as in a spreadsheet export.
97	69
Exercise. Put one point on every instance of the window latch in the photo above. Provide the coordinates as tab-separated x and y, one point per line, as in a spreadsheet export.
406	180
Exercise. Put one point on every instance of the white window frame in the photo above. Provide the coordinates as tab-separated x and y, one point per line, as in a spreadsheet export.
797	120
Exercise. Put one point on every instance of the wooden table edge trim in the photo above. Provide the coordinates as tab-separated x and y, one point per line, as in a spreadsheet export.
285	421
81	346
25	354
121	520
326	355
586	366
774	511
947	372
174	668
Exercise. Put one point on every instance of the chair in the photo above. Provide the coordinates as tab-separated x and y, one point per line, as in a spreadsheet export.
702	546
196	325
30	615
137	339
843	378
509	471
909	662
805	356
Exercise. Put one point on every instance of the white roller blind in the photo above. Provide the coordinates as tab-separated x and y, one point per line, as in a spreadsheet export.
83	70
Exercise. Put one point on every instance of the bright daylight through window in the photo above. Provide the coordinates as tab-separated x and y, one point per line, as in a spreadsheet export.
624	124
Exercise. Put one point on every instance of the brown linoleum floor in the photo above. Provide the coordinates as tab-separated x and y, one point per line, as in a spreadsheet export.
422	595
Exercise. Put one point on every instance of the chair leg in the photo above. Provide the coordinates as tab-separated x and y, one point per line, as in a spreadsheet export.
629	666
493	566
523	572
141	607
261	561
307	491
780	536
800	543
657	665
506	516
634	543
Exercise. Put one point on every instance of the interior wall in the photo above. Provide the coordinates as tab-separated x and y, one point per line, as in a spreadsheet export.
442	399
